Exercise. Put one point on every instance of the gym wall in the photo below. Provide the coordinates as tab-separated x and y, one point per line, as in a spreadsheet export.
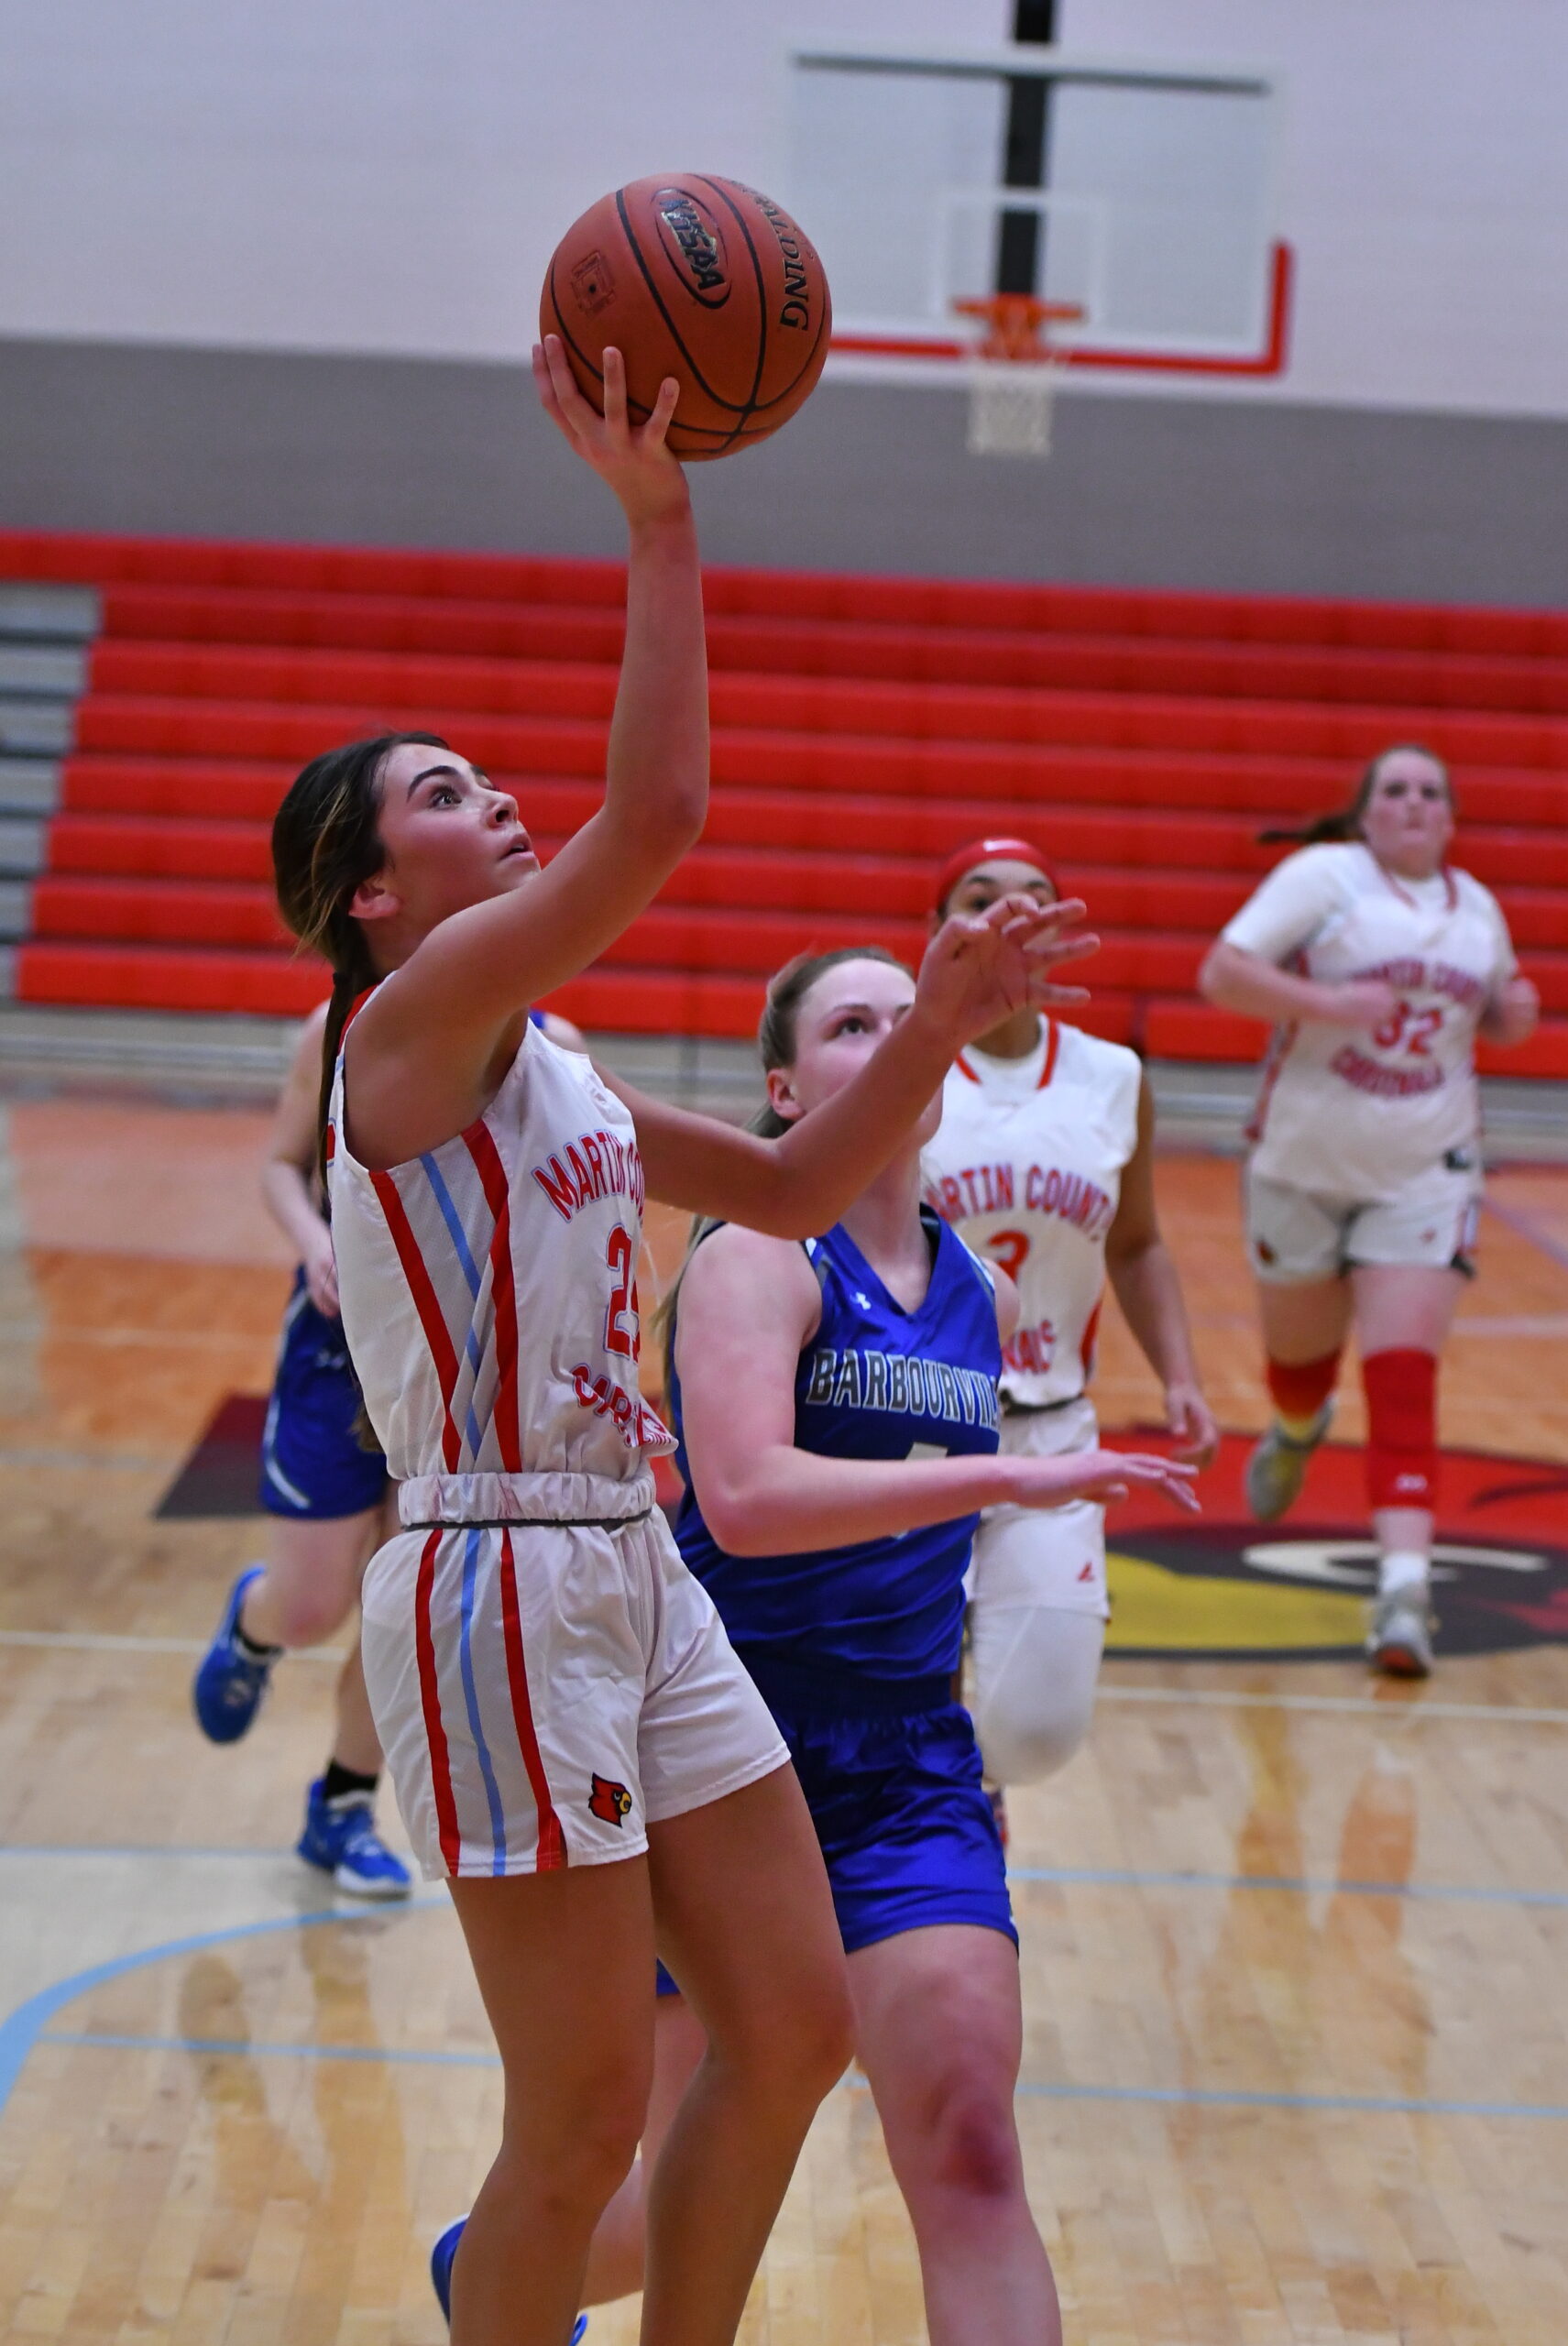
280	267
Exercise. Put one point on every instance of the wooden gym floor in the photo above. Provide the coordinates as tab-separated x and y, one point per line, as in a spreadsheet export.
1295	1948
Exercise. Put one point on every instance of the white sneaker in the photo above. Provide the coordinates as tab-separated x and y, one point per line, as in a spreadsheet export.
1277	1466
1399	1640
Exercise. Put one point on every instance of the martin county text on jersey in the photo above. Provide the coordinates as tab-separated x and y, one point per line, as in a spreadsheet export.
996	1189
598	1165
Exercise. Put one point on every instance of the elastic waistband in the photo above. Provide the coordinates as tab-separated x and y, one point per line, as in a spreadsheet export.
824	1692
1012	1409
451	1502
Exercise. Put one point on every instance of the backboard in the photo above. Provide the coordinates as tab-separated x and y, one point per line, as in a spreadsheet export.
1140	191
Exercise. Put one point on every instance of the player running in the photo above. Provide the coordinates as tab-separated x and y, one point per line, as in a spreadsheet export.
1380	966
835	1405
1044	1162
324	1481
575	1749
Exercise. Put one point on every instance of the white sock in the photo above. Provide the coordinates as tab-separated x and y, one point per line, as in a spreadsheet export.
1402	1568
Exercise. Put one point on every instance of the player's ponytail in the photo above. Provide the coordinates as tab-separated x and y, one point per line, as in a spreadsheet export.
326	840
776	1031
1345	823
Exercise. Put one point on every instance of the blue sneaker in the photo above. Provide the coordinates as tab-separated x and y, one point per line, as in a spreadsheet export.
441	2257
230	1682
340	1837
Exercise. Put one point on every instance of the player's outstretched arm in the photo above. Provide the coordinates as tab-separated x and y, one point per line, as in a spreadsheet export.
432	1028
978	969
749	1306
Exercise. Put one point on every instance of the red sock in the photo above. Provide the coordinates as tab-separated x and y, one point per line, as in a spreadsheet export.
1299	1388
1401	1427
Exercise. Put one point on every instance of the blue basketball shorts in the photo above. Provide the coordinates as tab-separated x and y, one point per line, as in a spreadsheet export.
902	1819
312	1465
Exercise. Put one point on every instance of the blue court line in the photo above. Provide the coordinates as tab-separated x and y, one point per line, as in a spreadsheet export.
108	2040
1525	1225
1207	2097
1104	1877
21	2029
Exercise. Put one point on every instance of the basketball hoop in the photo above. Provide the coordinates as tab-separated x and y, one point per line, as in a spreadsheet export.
1014	371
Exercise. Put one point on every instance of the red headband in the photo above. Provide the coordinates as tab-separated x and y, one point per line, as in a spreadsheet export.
964	860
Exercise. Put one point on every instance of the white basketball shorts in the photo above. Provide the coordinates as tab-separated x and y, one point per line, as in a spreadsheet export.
1043	1556
1295	1235
544	1693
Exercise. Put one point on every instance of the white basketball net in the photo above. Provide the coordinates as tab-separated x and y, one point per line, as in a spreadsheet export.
1014	374
1010	405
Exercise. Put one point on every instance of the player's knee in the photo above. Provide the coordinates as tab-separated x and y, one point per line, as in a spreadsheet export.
576	2165
1027	1749
308	1616
970	2151
797	2047
1030	1726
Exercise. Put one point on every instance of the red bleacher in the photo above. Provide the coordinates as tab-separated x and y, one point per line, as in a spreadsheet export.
862	728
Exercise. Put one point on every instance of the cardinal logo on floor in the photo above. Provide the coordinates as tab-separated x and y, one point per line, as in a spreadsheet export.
1225	1589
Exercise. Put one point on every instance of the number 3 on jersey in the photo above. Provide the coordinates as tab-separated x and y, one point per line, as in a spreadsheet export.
1008	1247
622	1321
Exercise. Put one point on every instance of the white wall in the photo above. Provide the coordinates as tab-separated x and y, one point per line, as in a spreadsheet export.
1423	183
389	176
364	175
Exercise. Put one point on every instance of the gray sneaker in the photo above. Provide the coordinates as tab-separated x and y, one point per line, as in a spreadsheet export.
1399	1640
1277	1467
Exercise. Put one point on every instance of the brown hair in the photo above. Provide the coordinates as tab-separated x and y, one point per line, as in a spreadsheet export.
1346	823
326	841
776	1036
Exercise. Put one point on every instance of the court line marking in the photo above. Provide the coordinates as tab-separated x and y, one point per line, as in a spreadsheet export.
1525	1225
1398	1712
21	2029
1089	1877
107	1641
1211	1697
1202	2096
95	1460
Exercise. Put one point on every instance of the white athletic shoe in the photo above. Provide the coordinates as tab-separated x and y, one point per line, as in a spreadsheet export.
1277	1466
1399	1640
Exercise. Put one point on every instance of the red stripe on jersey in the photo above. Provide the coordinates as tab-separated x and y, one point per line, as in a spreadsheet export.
1086	1349
480	1144
1053	1044
428	1308
430	1703
550	1856
964	1068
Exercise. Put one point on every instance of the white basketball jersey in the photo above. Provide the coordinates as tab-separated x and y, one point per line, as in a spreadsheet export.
1028	1166
1358	1115
489	1294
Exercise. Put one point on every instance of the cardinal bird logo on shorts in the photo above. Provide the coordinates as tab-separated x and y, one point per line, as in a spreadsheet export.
609	1800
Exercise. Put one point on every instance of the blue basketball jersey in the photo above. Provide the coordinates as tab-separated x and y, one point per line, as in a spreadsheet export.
875	1382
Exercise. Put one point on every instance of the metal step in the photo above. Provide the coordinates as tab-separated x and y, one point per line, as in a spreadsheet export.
16	910
43	671
45	614
23	846
29	785
34	729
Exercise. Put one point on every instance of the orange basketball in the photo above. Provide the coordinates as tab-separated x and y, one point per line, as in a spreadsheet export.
702	279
